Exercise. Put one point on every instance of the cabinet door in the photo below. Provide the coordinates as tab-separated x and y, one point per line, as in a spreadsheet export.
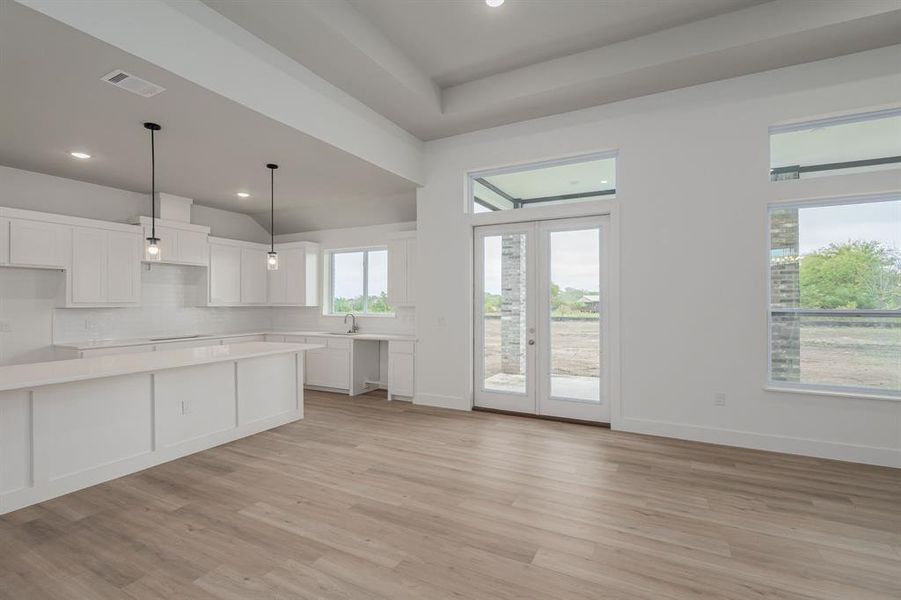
339	369
295	280
397	272
192	248
253	276
400	374
316	368
89	273
123	268
411	272
4	241
225	274
37	244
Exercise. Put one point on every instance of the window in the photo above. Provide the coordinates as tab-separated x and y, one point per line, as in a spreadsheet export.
358	282
852	144
835	295
557	182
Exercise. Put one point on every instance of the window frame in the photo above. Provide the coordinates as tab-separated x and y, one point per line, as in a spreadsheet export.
830	169
816	388
328	302
535	203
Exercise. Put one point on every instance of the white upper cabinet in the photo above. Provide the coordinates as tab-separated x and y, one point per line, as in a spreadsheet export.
295	282
4	241
89	266
402	269
180	243
124	267
253	276
106	267
225	274
39	244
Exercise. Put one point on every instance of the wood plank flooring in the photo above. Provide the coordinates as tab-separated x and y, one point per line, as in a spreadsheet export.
378	500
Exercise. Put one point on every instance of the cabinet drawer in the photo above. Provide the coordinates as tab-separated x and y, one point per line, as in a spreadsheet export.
295	339
275	338
316	340
401	347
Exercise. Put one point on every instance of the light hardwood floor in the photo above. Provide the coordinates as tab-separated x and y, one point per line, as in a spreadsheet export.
370	499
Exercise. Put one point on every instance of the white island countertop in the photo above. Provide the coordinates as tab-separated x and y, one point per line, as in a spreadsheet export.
34	375
123	343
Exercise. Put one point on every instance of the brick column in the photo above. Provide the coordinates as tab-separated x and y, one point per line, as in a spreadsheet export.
513	304
785	291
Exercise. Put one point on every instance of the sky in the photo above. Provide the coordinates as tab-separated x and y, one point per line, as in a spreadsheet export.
349	273
873	221
574	260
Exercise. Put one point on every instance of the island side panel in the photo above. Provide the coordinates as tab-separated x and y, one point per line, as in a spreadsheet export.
267	389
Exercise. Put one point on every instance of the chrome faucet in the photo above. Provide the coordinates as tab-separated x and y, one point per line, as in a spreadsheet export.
353	322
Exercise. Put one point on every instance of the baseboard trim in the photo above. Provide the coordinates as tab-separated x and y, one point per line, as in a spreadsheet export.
439	401
871	455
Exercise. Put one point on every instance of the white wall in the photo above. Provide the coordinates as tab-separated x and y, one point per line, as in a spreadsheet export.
46	193
692	193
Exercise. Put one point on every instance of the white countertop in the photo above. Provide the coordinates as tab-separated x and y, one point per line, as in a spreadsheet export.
121	343
33	375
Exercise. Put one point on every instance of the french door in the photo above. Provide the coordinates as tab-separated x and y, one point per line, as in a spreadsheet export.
540	299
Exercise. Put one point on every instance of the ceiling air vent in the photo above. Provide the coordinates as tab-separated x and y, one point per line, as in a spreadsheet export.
133	84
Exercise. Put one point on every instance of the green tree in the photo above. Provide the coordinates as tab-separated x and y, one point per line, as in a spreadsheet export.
856	274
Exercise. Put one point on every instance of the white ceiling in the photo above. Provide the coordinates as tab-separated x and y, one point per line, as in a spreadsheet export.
53	102
444	67
456	42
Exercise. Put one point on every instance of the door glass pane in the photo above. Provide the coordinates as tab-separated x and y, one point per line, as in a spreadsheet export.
575	319
504	313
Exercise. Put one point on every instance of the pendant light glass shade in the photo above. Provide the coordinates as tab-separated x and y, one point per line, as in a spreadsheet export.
272	255
152	249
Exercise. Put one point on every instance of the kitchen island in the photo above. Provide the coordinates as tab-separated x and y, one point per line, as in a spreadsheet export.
69	424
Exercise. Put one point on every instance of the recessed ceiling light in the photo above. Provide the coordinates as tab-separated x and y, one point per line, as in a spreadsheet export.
494	3
81	155
243	195
603	181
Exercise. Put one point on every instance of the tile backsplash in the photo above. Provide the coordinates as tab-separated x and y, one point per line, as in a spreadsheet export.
30	323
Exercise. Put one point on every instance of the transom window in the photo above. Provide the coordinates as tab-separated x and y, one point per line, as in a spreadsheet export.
358	282
554	182
850	144
835	295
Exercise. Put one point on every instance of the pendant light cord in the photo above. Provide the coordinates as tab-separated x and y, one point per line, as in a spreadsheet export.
152	187
271	210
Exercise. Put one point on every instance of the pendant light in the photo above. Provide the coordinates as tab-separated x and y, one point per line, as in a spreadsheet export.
152	251
272	255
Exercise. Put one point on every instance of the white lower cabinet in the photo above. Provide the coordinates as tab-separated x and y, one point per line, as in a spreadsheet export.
401	369
4	241
328	367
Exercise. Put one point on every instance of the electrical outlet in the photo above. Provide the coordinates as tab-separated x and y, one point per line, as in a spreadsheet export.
5	327
719	399
186	407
